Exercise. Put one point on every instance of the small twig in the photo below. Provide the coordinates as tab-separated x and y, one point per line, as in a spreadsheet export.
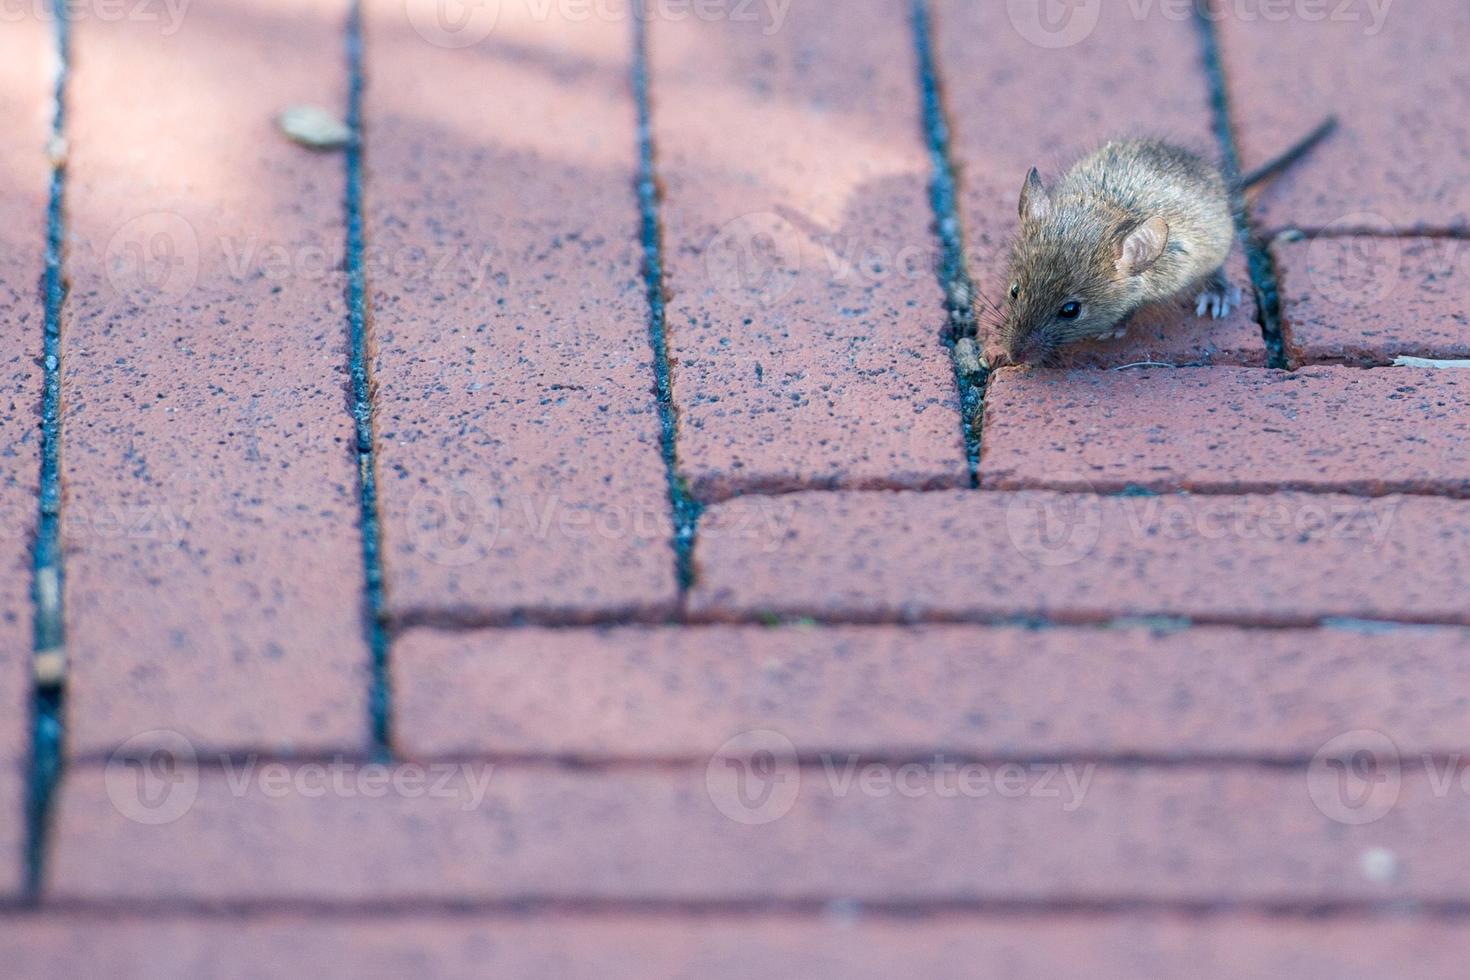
1428	362
1124	367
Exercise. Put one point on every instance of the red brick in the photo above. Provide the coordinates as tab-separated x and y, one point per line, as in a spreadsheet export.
25	57
1367	300
634	947
1085	833
985	691
805	310
1232	430
517	430
1400	90
1014	104
1279	558
214	577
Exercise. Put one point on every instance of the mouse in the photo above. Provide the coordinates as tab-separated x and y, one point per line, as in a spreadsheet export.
1135	222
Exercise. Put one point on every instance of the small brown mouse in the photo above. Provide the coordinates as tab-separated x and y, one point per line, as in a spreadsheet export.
1135	222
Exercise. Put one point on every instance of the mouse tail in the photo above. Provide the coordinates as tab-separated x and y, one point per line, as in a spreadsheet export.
1291	156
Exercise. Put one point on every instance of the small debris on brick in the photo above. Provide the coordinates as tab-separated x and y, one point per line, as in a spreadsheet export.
967	356
1428	362
49	668
314	127
1379	865
57	150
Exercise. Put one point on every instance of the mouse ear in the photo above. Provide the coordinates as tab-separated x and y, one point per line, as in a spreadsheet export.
1035	202
1142	248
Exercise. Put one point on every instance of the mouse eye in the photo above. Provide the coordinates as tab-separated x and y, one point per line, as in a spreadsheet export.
1070	311
1015	290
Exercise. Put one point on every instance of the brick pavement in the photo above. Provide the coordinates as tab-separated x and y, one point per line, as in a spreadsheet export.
1177	689
25	100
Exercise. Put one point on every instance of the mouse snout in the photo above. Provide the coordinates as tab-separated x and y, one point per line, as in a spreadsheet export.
998	356
1017	351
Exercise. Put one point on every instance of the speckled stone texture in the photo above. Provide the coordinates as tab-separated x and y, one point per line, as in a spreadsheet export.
982	691
804	307
1275	558
213	562
518	436
1230	430
26	107
1225	946
1015	104
1396	78
1090	832
1366	300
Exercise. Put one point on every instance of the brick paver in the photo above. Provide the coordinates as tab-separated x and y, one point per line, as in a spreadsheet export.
675	693
1366	300
1394	75
213	570
1031	832
1015	103
1233	430
804	311
634	947
517	431
1286	558
25	103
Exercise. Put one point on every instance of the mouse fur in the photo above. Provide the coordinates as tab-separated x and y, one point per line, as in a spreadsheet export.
1133	223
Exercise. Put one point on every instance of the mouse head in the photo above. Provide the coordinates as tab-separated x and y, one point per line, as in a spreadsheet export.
1075	268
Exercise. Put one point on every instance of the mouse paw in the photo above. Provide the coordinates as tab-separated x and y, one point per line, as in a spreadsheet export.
1118	333
1216	301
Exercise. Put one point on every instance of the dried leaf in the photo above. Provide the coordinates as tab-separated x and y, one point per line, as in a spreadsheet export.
314	127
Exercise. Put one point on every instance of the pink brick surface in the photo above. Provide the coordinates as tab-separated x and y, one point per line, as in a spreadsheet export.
1040	832
635	947
804	309
670	693
1231	430
1366	300
1396	78
1282	558
517	430
213	577
1015	104
24	104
